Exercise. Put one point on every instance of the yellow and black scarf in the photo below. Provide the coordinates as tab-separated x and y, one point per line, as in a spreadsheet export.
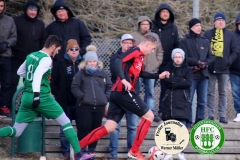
217	43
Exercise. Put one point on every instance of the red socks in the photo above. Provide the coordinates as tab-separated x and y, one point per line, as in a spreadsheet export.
142	131
93	136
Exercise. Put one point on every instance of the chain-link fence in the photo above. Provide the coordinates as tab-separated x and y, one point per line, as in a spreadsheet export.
108	46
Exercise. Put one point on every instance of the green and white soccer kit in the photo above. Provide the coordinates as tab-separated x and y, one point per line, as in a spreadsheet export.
37	73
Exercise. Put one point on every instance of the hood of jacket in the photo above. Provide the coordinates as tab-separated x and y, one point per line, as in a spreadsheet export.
237	21
31	2
4	9
143	18
159	9
60	3
66	56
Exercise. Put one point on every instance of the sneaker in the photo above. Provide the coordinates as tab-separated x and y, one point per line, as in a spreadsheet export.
211	118
168	157
83	156
5	112
181	156
157	119
223	120
237	119
138	155
113	157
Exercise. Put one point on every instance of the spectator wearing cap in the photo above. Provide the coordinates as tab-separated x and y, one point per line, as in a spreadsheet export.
92	87
151	62
235	72
66	27
224	47
199	56
127	41
66	68
8	37
31	36
176	101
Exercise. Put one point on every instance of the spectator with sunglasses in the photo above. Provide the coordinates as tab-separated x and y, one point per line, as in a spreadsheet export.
92	87
61	87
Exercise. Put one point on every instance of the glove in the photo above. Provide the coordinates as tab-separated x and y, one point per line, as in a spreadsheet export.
3	47
36	100
202	65
195	68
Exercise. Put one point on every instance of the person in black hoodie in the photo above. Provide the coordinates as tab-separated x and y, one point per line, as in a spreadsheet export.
66	26
199	56
224	47
176	101
61	87
92	87
235	72
31	36
163	25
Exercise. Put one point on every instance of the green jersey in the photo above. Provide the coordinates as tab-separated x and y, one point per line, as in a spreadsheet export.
37	71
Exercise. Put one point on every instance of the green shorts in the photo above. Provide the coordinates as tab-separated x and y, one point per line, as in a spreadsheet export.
48	107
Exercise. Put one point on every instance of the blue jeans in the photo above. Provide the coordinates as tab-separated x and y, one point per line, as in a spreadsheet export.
149	92
235	84
132	122
201	87
65	145
222	80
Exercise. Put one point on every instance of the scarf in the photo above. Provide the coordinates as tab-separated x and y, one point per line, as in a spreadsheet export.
92	70
217	43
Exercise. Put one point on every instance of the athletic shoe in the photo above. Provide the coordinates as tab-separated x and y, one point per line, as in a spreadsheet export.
83	156
113	157
5	111
181	156
237	119
138	155
168	157
157	118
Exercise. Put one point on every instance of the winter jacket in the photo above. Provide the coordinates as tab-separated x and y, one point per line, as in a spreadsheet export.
176	101
91	90
63	72
197	48
168	33
8	32
31	33
72	28
230	51
235	67
151	61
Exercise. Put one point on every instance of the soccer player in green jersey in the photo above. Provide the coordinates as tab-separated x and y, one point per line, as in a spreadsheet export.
36	97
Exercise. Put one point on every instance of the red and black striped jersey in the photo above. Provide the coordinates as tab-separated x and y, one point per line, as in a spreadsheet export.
129	68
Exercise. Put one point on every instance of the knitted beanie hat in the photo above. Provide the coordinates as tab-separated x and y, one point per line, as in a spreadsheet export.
91	53
72	43
178	50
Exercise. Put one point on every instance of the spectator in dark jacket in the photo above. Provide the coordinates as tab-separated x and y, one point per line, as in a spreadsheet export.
92	87
31	36
199	56
163	25
176	101
62	75
127	41
235	72
8	37
66	26
224	46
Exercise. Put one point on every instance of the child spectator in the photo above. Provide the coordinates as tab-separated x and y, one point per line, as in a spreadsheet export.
176	101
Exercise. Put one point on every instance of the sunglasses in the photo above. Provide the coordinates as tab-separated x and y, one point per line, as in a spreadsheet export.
73	49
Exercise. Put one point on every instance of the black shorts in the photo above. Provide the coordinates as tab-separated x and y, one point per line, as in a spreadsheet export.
122	102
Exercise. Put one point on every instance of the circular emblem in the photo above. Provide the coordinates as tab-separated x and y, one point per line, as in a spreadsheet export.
171	137
207	137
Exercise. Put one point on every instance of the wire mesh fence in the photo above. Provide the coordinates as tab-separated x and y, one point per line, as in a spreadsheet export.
106	47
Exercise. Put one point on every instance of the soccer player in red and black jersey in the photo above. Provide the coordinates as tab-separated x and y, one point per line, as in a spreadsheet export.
129	66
